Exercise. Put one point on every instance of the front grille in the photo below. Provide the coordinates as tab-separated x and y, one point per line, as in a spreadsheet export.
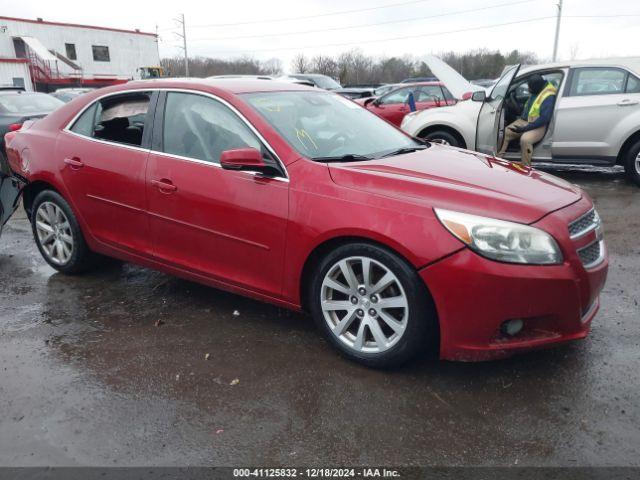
591	255
583	225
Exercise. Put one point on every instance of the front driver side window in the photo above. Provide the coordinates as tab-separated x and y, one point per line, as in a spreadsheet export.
399	96
200	127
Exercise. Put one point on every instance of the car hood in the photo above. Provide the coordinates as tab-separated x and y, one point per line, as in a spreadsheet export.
456	83
460	180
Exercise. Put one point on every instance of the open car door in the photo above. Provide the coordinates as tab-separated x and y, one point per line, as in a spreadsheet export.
10	190
490	114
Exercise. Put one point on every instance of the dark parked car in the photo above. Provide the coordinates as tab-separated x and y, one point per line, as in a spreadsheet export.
419	79
355	92
17	106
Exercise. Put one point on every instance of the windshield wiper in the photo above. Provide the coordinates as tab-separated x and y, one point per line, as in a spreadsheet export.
349	157
403	150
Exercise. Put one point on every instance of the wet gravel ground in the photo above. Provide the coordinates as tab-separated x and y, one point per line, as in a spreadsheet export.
86	378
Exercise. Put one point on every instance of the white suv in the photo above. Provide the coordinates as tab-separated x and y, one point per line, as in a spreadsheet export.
596	119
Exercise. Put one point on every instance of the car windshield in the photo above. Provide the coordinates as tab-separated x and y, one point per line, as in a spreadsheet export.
322	125
24	103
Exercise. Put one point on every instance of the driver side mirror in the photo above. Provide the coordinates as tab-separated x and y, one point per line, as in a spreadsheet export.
479	96
245	159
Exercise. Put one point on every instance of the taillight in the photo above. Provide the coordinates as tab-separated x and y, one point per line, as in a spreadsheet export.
14	127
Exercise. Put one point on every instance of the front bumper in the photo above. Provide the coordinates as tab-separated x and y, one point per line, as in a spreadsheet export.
474	296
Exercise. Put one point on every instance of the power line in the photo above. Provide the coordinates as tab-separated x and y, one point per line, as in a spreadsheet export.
303	17
624	15
363	25
391	39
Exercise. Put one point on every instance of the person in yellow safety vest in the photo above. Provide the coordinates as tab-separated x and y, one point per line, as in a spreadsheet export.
532	124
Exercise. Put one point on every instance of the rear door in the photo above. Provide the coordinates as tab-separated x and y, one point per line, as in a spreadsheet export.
226	225
595	101
490	114
103	158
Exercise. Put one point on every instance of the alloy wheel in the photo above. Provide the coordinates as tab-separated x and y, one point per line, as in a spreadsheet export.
54	233
364	304
440	141
638	163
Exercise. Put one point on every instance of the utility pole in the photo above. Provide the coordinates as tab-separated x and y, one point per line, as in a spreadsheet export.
555	43
184	43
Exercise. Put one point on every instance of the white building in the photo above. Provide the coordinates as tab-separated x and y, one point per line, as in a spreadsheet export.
48	55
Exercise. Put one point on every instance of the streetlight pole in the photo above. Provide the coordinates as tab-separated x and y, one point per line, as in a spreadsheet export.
555	43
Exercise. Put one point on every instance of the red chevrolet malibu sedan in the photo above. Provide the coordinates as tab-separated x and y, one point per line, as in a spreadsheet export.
302	198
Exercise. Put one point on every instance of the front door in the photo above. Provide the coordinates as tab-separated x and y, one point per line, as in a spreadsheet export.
392	106
490	113
587	116
226	225
103	157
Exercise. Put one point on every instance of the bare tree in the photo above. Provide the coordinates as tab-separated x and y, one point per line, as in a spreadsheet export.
325	65
273	66
354	67
300	64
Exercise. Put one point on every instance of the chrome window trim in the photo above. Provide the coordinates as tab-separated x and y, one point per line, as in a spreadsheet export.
593	226
253	129
105	142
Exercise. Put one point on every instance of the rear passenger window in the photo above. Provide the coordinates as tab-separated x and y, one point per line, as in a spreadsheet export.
84	123
200	127
118	119
633	85
598	81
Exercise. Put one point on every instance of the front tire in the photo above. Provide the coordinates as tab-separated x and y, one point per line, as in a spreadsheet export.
58	235
372	306
442	137
632	163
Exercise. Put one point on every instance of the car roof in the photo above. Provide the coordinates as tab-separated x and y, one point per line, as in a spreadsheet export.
632	63
229	85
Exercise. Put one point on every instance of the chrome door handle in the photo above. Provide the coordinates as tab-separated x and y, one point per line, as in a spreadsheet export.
627	103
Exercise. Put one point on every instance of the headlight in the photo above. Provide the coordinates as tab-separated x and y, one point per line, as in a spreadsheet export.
503	241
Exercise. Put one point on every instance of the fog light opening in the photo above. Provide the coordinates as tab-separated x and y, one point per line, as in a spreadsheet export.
512	327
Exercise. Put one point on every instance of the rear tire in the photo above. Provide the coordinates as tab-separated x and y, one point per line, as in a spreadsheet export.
632	163
443	137
58	236
379	326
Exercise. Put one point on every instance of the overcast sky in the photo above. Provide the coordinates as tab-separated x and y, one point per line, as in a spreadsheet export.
275	28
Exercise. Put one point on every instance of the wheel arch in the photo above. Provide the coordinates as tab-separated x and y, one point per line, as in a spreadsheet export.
320	250
432	128
31	191
628	143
